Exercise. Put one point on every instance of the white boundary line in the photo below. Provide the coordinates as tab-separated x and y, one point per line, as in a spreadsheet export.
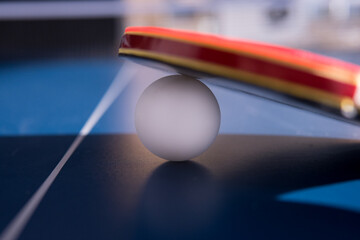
18	223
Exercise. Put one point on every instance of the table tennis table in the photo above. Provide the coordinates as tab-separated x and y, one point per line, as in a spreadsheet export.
72	167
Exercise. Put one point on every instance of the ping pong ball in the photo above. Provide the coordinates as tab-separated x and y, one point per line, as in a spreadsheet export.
177	117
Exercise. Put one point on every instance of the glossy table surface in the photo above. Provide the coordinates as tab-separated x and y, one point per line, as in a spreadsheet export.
274	172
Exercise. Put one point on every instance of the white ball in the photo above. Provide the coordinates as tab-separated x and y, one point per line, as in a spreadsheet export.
177	117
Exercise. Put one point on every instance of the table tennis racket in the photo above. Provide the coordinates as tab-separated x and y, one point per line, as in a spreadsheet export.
291	76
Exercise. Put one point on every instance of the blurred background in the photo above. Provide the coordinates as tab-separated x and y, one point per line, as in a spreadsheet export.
50	28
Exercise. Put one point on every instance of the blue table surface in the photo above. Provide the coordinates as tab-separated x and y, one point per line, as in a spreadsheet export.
56	97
